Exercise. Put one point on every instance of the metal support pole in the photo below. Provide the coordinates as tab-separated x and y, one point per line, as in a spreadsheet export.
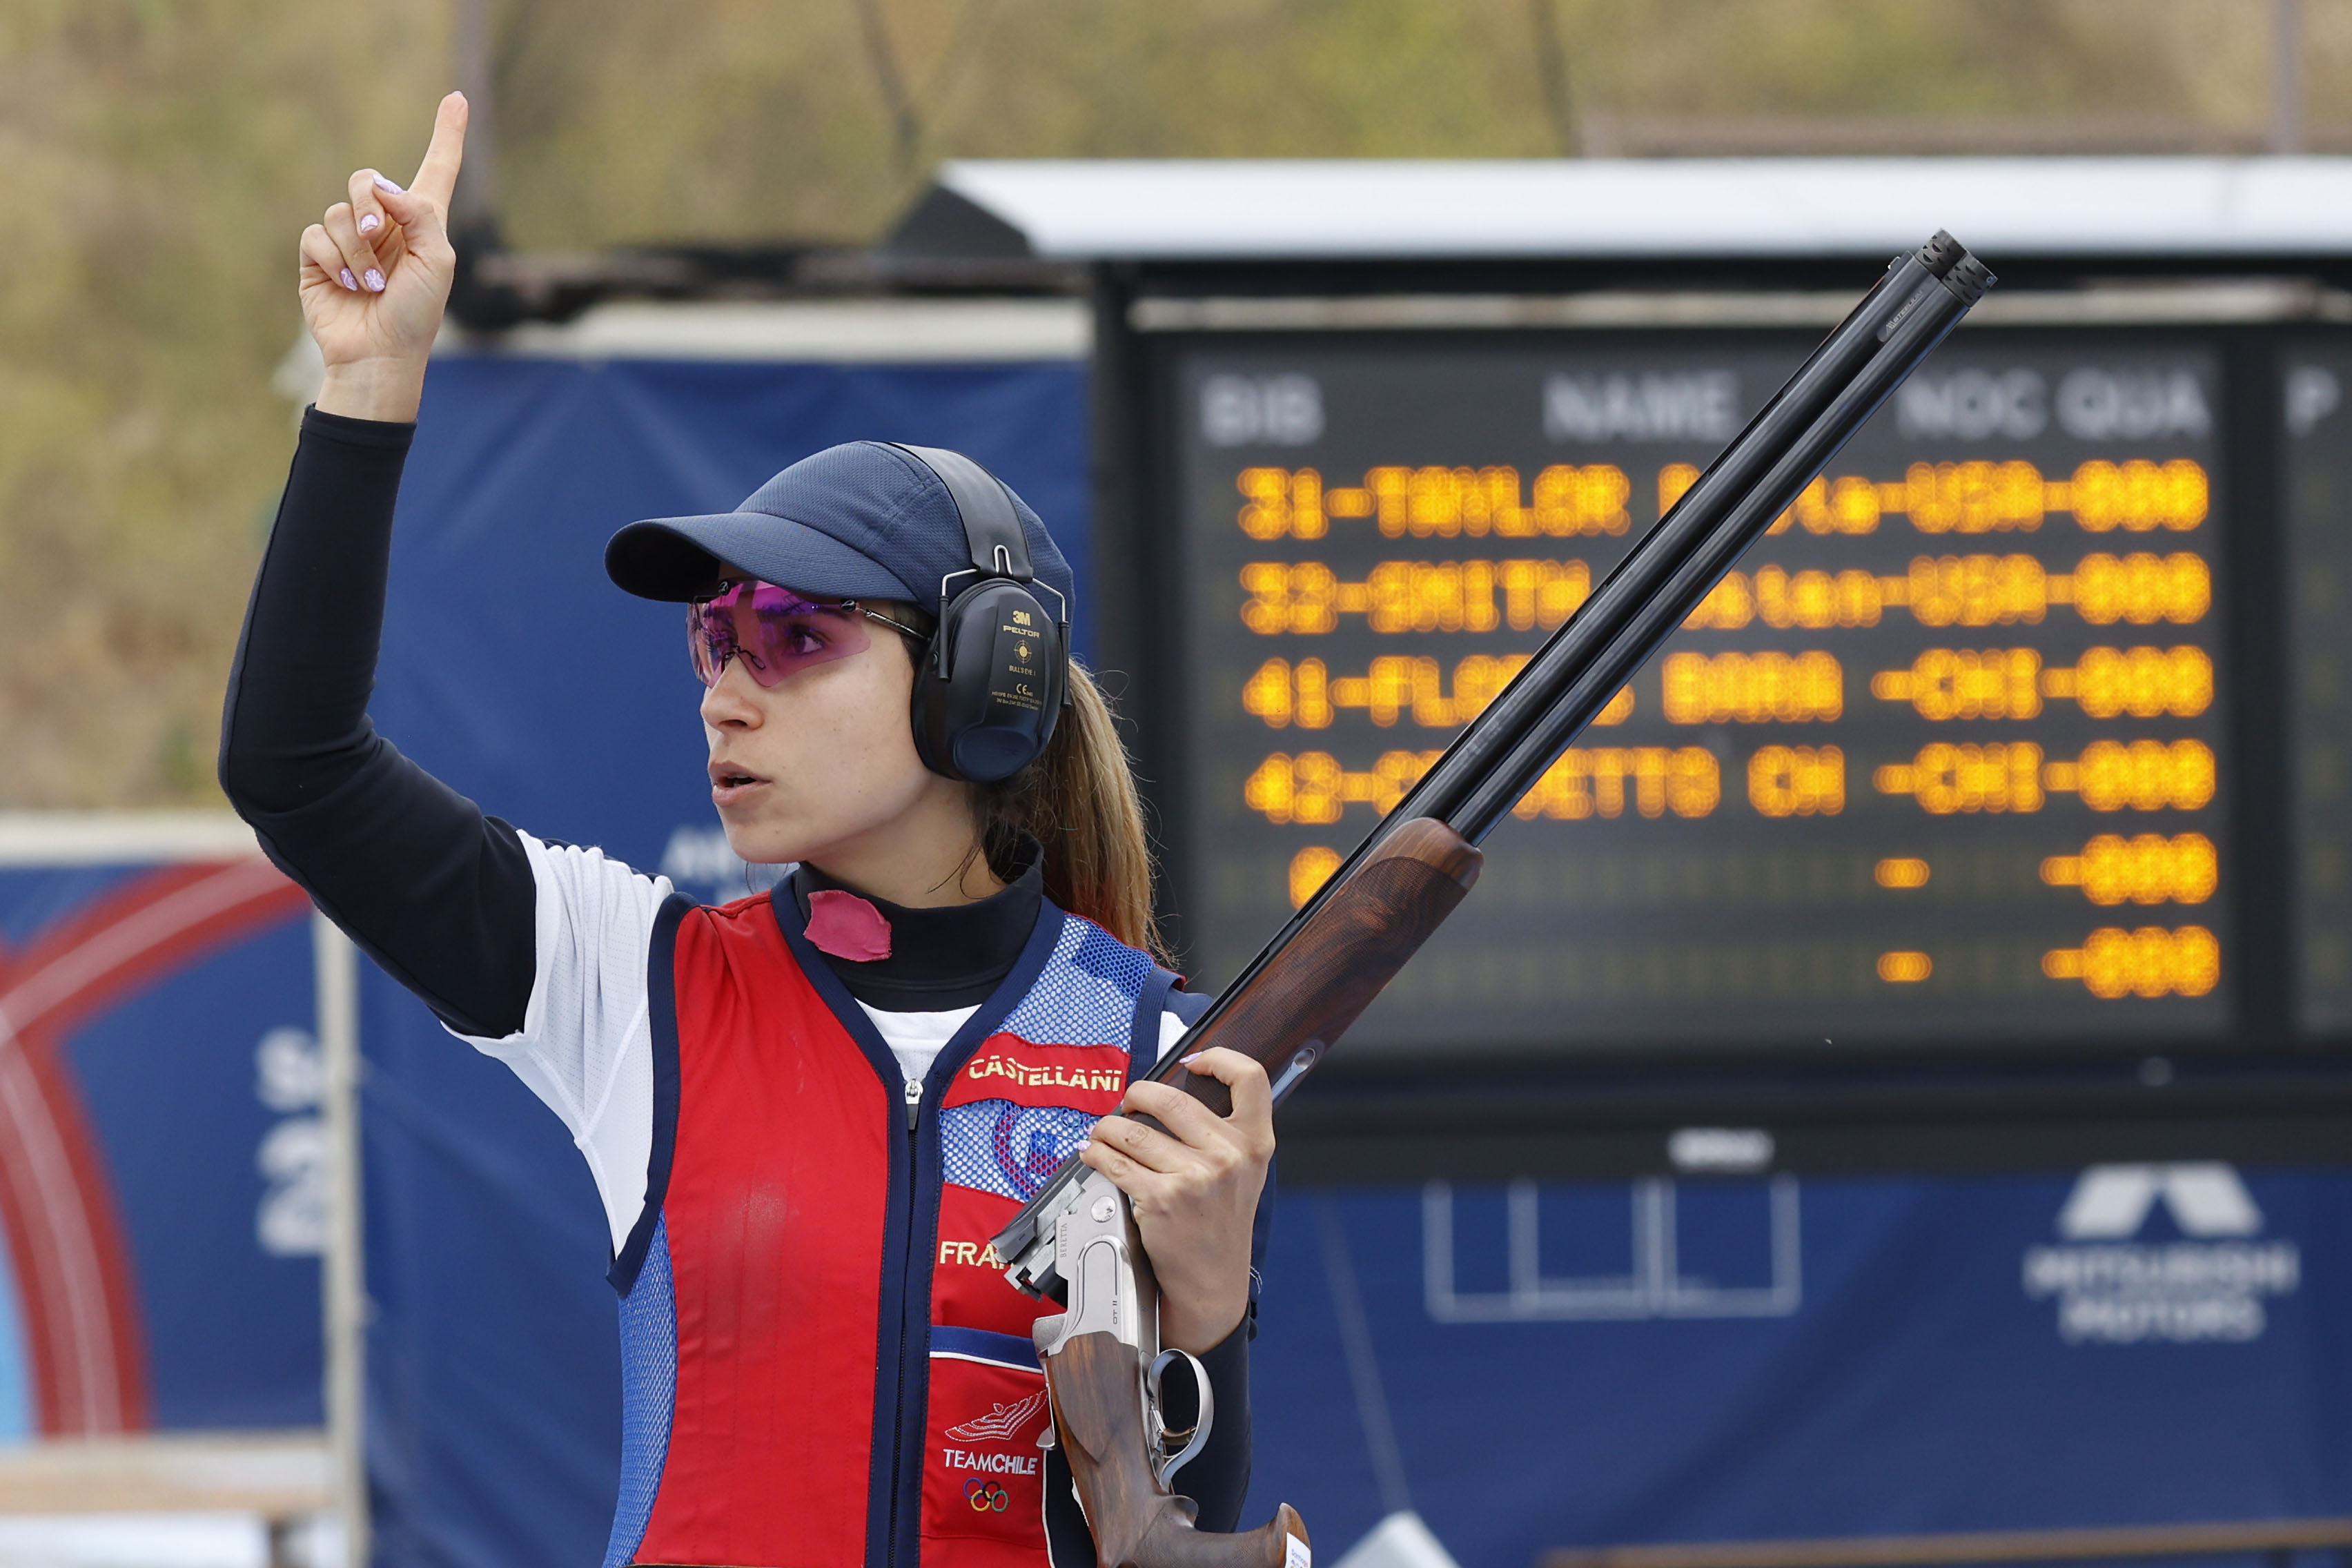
477	197
2286	77
343	1268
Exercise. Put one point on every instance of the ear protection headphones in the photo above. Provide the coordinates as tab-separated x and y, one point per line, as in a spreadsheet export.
994	678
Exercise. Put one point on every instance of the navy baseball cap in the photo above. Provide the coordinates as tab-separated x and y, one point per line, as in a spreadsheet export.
861	520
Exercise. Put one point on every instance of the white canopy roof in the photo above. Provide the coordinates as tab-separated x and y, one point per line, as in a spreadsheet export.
1202	209
818	331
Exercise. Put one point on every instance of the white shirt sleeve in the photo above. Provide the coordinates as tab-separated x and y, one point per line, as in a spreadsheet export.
585	1047
1171	1029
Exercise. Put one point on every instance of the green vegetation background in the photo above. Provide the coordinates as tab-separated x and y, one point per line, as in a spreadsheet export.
159	157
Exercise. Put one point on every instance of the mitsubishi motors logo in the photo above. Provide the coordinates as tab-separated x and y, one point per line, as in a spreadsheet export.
2114	1288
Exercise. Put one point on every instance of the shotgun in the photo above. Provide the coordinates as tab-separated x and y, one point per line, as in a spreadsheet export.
1075	1243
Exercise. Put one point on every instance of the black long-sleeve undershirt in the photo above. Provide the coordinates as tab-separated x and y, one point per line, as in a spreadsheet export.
441	895
437	893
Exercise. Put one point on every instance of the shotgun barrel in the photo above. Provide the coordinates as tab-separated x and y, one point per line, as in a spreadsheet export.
1502	754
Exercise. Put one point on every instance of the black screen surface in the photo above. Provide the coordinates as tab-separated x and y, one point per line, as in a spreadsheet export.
2318	506
1942	763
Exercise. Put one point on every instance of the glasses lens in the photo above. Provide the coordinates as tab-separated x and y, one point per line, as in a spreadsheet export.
774	631
710	640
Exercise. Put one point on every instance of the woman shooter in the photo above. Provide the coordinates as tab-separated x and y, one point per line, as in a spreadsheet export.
807	1112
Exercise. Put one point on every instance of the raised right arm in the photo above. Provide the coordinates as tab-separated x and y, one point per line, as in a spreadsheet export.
441	896
536	953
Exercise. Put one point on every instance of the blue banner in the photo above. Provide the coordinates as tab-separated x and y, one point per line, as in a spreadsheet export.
1595	1364
162	1163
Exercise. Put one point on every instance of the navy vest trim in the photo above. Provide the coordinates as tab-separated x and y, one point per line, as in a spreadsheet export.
910	1228
979	1344
661	1011
1143	1043
1189	1005
1069	1543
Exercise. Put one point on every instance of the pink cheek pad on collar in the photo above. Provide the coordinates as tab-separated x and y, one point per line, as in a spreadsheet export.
846	926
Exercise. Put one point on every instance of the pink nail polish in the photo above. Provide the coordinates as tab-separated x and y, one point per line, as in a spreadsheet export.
1195	1057
370	223
384	184
350	282
375	281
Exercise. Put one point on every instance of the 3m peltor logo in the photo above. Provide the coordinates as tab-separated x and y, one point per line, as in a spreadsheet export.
2112	1288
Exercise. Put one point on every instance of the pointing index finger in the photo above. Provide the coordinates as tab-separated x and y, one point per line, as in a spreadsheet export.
437	177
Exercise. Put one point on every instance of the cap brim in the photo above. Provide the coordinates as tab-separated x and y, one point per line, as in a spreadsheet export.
679	559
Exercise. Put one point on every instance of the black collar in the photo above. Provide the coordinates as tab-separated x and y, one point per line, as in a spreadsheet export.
950	956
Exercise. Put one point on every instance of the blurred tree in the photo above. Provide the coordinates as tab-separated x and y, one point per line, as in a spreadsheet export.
158	157
157	160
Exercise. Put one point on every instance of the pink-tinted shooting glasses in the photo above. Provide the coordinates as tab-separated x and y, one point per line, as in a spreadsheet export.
774	631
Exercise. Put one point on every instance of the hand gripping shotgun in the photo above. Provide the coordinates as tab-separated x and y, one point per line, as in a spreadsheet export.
1076	1242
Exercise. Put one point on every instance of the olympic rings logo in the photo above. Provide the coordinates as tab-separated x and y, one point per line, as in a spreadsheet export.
986	1496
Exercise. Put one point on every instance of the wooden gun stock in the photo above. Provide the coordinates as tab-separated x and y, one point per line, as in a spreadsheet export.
1292	1011
1098	1421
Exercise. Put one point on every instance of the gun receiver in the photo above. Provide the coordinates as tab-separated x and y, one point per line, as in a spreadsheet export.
1290	1004
1103	1382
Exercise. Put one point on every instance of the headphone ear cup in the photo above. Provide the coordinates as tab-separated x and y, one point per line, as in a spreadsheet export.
994	708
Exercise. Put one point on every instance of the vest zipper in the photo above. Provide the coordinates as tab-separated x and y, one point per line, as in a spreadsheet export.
913	1098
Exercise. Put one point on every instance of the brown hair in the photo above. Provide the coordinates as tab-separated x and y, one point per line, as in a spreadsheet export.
1078	800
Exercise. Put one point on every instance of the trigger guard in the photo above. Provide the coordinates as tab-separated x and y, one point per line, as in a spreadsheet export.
1164	1466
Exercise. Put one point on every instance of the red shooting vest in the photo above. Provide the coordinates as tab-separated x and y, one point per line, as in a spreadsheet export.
823	1364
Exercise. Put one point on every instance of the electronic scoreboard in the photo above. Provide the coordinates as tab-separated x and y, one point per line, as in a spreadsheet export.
1941	758
2026	732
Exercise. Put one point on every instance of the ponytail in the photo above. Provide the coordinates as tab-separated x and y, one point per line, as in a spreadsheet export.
1079	800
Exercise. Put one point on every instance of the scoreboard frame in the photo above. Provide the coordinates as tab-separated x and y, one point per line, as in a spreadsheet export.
2266	1092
